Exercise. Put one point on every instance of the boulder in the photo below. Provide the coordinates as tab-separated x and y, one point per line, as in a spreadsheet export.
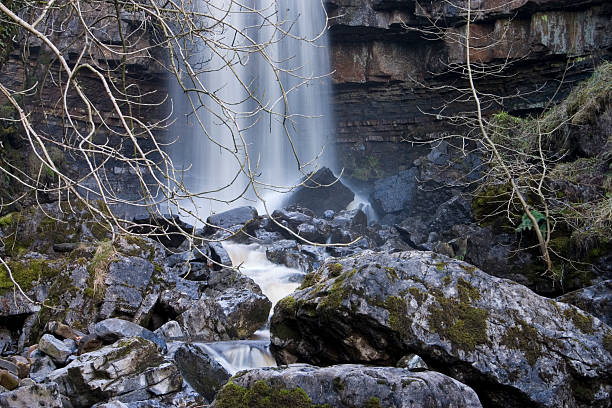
245	217
345	386
202	372
170	329
395	193
596	300
8	380
413	363
42	365
233	314
111	330
320	192
58	350
513	346
129	370
37	395
166	229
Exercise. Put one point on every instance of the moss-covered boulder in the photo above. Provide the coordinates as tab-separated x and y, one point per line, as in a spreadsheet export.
344	386
511	345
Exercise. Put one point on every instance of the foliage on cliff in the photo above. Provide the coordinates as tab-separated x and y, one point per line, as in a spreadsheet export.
562	161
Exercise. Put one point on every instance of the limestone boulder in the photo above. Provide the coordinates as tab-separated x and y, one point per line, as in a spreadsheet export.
511	345
346	386
129	370
38	395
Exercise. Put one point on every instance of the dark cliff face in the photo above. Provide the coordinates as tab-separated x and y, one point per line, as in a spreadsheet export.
389	76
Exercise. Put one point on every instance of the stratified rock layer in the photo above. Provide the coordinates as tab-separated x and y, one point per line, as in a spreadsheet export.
511	345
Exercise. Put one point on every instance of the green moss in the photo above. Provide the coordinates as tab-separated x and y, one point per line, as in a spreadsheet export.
398	314
457	321
466	291
584	323
441	265
373	402
261	395
391	273
310	279
418	294
28	273
288	304
525	338
336	294
447	280
468	268
6	220
334	269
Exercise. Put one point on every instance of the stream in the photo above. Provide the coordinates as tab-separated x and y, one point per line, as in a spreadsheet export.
276	282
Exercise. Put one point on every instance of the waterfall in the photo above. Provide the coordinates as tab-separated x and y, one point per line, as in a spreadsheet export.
254	131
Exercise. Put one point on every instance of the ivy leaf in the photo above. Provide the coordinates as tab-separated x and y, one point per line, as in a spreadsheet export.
526	223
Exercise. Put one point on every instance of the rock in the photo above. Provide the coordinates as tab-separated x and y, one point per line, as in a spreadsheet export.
41	366
413	363
58	350
89	343
219	255
129	370
18	365
111	330
8	380
396	193
321	192
9	366
233	314
202	372
127	280
596	300
347	386
63	330
31	396
245	217
65	247
170	329
166	229
520	348
282	252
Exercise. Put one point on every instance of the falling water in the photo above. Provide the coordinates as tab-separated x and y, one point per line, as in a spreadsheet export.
294	58
276	282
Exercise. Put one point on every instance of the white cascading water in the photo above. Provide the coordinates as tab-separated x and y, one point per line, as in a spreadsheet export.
274	129
206	140
276	282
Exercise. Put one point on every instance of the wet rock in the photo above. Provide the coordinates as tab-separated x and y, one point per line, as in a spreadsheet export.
18	365
129	370
127	280
42	365
202	372
9	366
349	386
396	193
111	330
58	350
31	396
170	329
166	229
8	380
596	300
241	216
520	348
321	192
62	330
413	363
219	255
89	343
282	252
232	314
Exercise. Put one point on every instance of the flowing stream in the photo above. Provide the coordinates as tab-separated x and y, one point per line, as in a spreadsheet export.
276	282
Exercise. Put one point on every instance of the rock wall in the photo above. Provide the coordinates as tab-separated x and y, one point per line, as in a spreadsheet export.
390	77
